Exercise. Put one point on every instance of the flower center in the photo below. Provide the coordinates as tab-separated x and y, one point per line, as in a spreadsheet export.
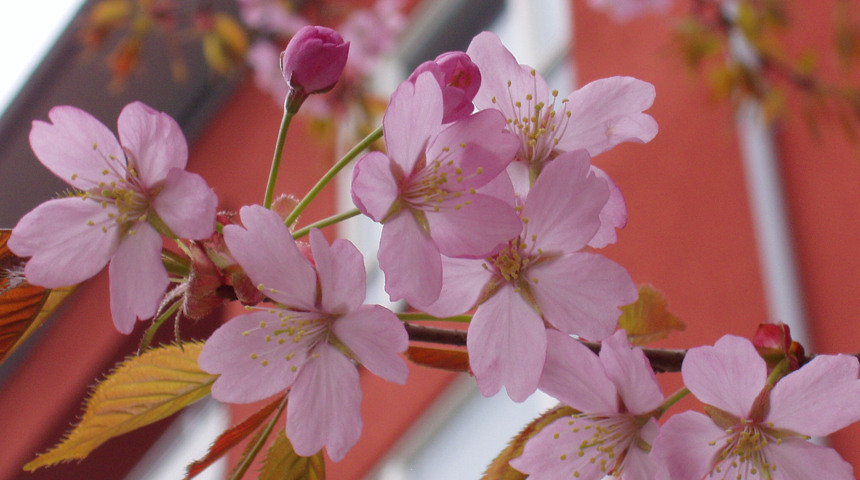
538	125
437	181
744	455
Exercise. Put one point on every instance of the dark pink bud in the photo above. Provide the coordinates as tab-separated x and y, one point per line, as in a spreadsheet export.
459	78
313	61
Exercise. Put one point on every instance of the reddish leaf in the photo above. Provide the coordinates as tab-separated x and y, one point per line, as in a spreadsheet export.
648	319
443	359
23	307
500	469
231	437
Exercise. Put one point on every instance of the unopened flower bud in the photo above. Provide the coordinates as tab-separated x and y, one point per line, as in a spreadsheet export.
459	78
312	63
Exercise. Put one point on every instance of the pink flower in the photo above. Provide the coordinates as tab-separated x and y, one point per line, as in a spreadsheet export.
121	188
314	60
308	341
540	277
373	33
616	394
596	117
755	431
459	78
426	190
626	10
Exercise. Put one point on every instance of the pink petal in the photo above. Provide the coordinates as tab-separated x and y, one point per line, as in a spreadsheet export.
410	260
796	459
574	375
638	464
65	250
728	375
631	372
375	335
686	446
478	143
154	141
507	345
187	205
413	116
476	229
138	279
341	273
552	453
463	281
818	399
268	254
613	214
76	144
581	293
498	67
374	188
563	207
607	112
244	379
325	405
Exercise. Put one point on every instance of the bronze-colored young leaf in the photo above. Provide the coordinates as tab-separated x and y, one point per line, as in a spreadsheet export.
283	463
648	319
231	437
141	390
441	358
23	307
500	469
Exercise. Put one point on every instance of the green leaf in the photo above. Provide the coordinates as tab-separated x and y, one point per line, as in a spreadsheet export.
648	319
499	469
283	463
141	390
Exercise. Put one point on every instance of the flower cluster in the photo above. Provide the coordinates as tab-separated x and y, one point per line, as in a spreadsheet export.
490	207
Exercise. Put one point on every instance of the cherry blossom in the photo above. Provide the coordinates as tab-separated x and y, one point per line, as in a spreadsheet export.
755	430
125	193
540	277
309	339
426	190
459	78
616	395
595	117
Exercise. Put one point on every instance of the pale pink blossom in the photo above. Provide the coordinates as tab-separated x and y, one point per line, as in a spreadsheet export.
616	395
309	340
121	189
755	431
542	277
373	33
426	189
626	10
595	117
271	17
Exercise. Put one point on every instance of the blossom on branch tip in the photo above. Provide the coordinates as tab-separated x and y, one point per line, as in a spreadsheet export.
755	429
541	277
313	62
616	394
426	191
125	193
309	340
596	117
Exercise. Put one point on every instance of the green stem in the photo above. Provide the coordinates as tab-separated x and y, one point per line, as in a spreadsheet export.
248	459
412	316
276	161
673	399
779	371
360	147
326	222
156	324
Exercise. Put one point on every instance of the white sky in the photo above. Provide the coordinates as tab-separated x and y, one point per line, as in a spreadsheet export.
27	31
